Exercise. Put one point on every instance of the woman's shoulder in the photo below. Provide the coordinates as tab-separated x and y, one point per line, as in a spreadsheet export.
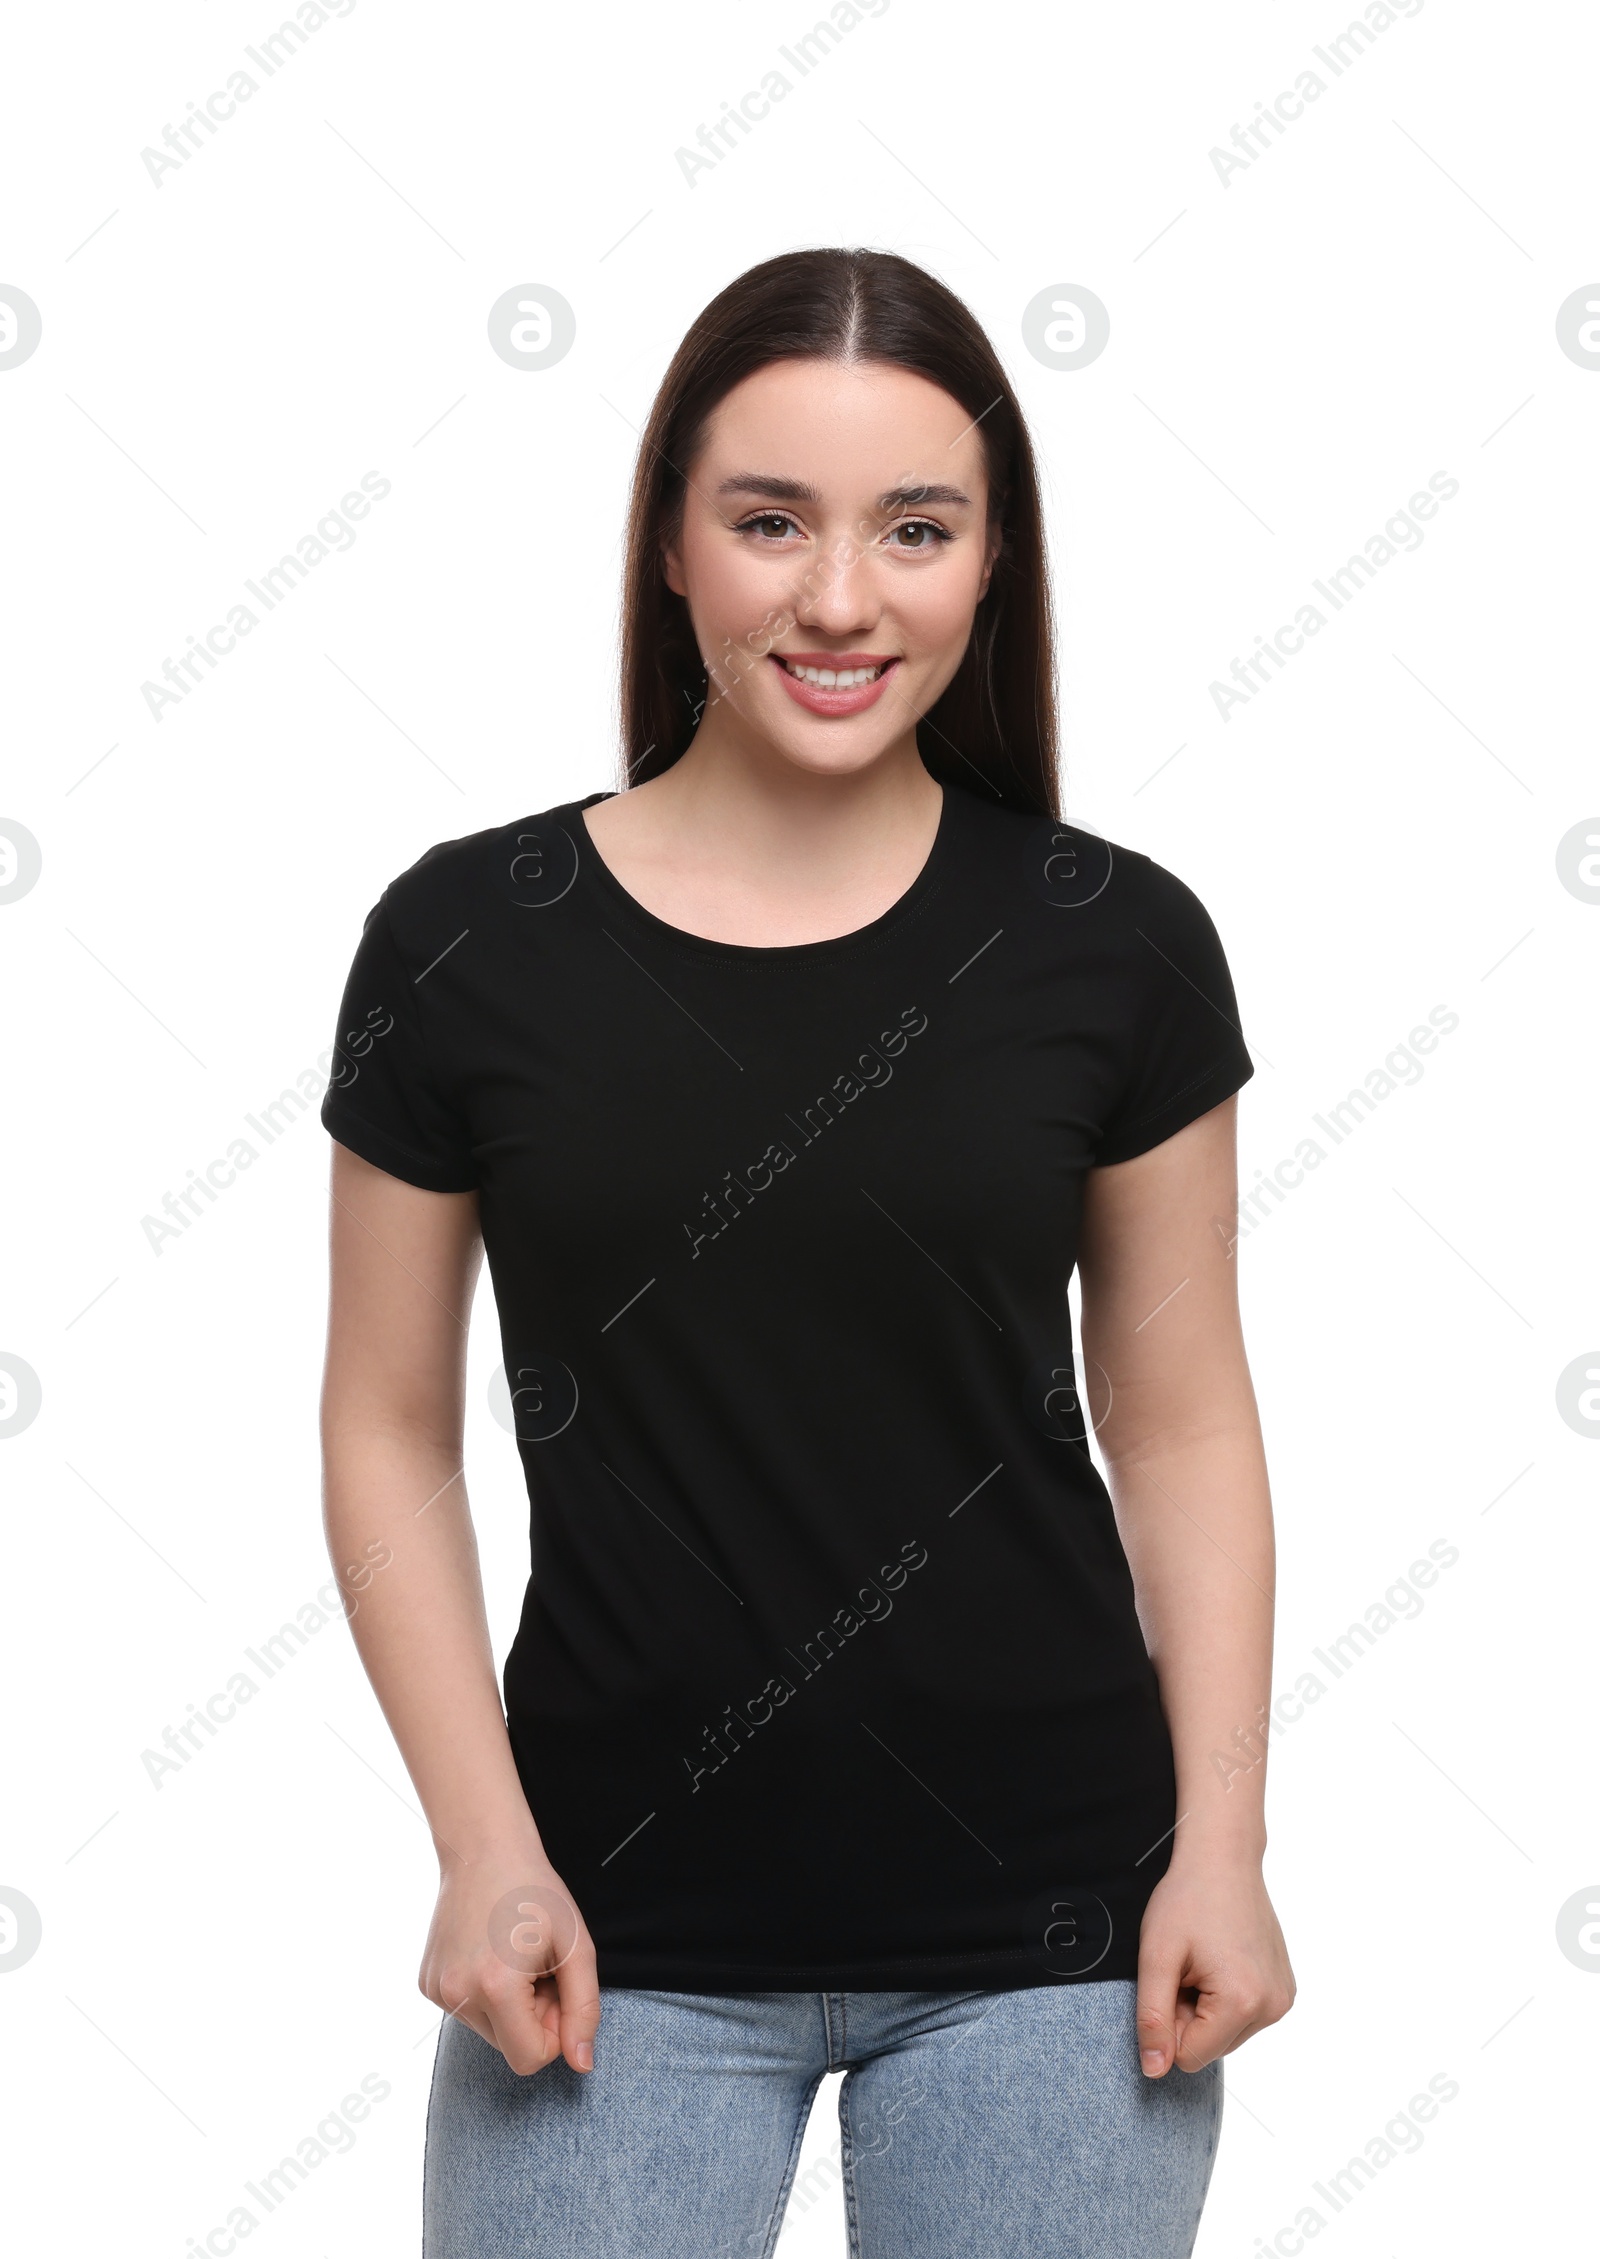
1066	863
518	862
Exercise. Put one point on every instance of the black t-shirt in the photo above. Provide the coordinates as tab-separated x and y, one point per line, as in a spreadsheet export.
828	1673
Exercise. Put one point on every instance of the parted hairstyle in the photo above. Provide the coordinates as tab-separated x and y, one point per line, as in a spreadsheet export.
993	730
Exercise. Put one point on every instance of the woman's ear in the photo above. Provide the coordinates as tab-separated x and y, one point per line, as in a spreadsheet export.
672	568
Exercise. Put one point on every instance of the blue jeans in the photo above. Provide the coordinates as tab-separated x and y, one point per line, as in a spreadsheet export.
1013	2124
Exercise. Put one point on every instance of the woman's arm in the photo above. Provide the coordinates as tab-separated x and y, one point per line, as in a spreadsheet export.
404	1263
1188	1479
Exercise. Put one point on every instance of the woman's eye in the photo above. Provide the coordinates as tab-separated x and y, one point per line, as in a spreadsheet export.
927	534
768	519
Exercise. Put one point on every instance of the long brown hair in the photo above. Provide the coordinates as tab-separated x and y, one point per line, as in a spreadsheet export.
994	728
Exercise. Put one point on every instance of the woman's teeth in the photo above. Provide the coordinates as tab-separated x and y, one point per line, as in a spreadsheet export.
833	678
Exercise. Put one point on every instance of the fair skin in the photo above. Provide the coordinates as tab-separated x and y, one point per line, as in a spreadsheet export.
784	823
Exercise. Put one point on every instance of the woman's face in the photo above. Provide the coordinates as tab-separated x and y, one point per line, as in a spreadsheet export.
836	519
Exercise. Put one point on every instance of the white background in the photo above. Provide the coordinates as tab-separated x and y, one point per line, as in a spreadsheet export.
1292	354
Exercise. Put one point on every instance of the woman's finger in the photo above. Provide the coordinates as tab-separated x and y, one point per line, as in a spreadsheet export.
1219	2024
580	2007
1156	2012
524	2034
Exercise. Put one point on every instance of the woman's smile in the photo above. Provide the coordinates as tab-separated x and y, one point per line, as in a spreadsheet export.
833	684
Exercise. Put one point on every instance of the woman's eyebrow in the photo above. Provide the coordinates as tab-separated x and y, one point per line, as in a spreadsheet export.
772	489
898	496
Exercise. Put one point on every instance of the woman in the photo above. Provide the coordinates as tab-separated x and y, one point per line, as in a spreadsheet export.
851	1721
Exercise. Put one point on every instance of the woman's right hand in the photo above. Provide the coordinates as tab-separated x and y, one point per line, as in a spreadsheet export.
509	1954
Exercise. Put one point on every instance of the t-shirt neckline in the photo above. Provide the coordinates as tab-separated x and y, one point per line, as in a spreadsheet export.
903	908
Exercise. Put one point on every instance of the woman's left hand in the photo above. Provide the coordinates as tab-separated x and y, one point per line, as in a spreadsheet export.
1213	1967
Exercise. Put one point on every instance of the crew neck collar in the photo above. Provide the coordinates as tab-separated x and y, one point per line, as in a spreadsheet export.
616	898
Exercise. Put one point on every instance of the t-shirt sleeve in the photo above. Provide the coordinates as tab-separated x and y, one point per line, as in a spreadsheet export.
1186	1051
385	1100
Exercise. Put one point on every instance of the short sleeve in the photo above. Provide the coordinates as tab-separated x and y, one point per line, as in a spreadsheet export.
1186	1051
384	1099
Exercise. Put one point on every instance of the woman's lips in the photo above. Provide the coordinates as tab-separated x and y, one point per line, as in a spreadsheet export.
818	700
